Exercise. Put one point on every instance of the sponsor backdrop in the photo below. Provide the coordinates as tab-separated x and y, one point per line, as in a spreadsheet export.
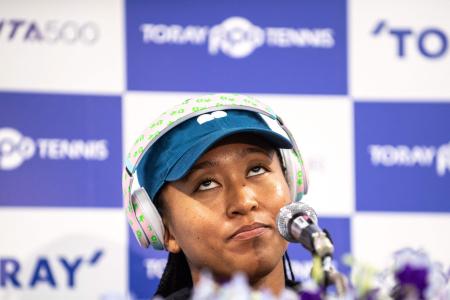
363	85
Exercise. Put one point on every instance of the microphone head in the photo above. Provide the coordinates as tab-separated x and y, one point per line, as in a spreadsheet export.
291	211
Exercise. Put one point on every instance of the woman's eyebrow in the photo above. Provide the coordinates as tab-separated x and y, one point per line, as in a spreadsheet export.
269	152
204	164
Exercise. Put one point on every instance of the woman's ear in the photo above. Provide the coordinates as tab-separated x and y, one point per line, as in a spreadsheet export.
170	242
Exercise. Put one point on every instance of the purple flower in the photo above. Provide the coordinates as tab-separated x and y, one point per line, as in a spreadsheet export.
413	275
310	290
310	295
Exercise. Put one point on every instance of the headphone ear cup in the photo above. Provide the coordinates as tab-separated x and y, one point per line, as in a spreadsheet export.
295	174
148	227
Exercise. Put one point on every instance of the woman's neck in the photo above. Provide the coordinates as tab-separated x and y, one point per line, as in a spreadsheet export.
273	281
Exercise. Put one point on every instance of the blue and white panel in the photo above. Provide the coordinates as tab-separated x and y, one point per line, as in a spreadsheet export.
62	46
402	174
376	236
237	46
62	253
402	157
60	150
399	49
61	208
363	85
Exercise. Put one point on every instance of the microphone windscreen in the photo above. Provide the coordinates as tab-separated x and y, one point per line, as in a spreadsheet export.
291	211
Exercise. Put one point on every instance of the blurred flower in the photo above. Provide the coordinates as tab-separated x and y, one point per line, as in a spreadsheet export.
412	275
310	291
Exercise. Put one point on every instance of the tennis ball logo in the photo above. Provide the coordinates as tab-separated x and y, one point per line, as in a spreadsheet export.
443	159
14	148
236	37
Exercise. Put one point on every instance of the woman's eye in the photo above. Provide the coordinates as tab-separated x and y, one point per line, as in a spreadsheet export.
207	185
256	171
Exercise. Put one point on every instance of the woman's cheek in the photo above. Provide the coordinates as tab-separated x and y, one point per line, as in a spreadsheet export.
278	191
194	222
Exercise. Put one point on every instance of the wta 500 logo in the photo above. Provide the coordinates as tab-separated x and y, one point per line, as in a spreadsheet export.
15	149
237	37
416	156
52	31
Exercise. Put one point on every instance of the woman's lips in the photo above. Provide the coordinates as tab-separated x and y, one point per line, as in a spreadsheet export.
249	231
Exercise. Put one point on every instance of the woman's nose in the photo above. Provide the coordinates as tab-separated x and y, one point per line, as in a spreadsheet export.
241	200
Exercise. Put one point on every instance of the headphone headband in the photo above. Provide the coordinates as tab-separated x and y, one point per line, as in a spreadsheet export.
186	110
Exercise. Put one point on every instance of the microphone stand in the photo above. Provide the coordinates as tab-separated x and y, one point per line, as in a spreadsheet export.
323	270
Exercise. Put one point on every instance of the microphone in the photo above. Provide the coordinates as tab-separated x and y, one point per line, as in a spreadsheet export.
297	222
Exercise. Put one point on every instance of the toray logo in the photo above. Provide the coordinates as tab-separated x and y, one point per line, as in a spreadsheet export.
44	269
416	156
237	37
430	42
52	31
15	149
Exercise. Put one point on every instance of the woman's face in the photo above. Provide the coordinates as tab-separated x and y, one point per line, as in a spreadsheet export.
222	213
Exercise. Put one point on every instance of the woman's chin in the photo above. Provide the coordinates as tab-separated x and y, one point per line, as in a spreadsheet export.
253	267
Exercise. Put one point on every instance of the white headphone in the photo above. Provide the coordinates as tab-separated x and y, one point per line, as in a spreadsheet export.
142	214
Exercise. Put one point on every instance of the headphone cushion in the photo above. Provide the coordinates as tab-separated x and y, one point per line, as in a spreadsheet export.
295	174
149	220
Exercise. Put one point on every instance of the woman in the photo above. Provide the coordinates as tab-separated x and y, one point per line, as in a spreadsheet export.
218	181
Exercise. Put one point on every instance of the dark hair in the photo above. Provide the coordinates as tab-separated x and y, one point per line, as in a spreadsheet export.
176	276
